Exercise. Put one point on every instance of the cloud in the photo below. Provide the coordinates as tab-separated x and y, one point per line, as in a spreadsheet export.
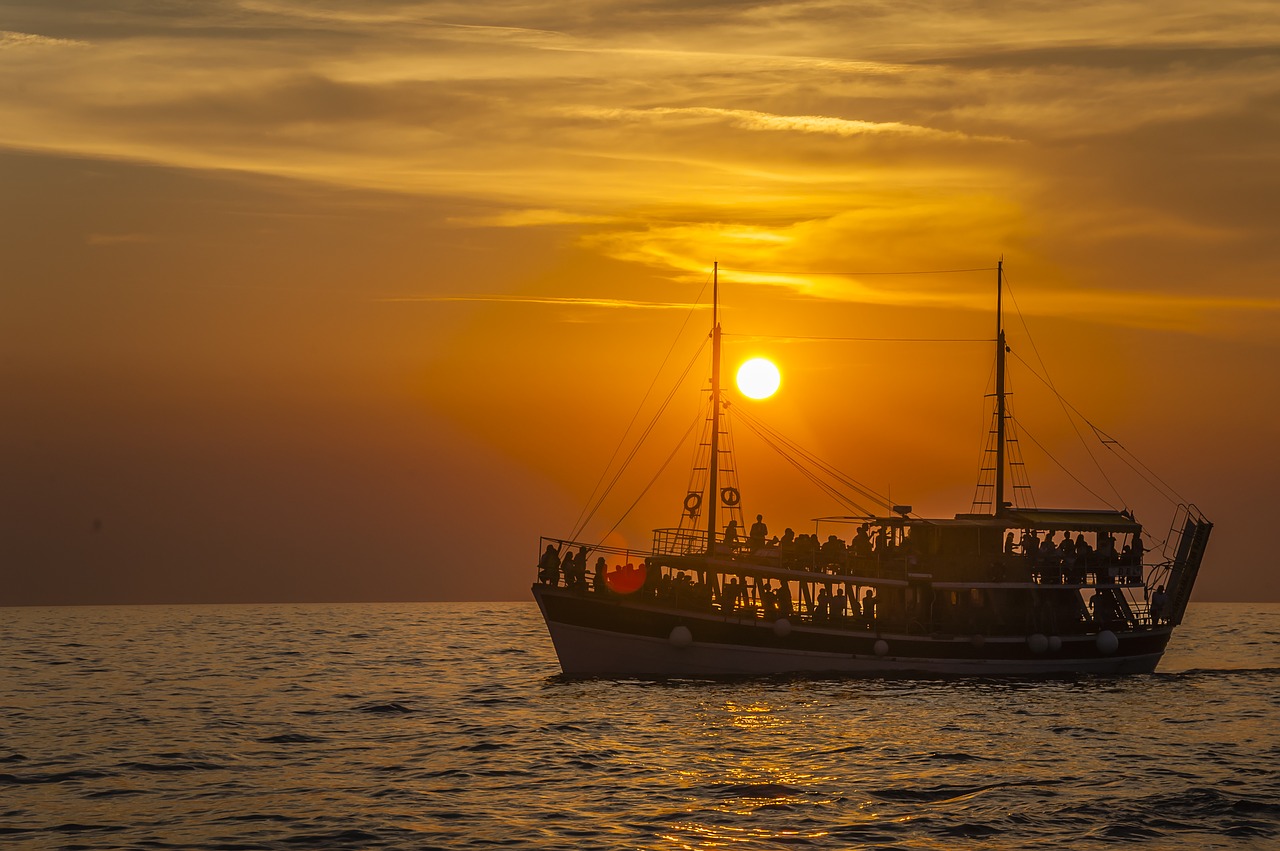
17	40
1147	59
609	303
764	121
788	136
534	218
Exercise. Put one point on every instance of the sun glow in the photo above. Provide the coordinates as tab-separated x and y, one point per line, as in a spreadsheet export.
758	378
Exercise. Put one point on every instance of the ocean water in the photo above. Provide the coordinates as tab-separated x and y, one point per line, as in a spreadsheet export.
446	726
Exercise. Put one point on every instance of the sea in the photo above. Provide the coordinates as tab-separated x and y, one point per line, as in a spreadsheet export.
444	725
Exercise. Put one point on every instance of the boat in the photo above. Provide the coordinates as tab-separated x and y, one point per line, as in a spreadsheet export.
1003	589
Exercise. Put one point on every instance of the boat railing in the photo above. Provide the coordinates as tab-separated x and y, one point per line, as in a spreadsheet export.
738	583
918	605
679	542
892	564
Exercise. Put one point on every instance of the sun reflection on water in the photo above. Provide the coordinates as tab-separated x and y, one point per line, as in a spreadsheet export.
383	727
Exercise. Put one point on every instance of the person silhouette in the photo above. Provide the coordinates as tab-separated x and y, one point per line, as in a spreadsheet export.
1159	601
759	532
549	566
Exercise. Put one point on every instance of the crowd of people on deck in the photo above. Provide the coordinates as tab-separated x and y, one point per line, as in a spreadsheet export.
1073	560
840	607
1069	560
751	596
748	596
812	553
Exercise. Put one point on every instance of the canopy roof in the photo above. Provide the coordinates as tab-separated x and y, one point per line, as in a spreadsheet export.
1041	519
1066	519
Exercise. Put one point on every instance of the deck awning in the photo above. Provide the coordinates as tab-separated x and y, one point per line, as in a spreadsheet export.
1071	520
1040	519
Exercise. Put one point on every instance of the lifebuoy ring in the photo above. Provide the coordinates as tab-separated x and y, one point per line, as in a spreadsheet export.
692	502
730	497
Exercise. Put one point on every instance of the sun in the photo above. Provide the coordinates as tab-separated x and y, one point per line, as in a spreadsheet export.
758	378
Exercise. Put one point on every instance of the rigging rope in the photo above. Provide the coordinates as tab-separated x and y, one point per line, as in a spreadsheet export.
1059	396
580	522
1016	462
925	272
826	487
985	443
863	339
1160	486
679	444
1163	488
777	441
639	442
1101	499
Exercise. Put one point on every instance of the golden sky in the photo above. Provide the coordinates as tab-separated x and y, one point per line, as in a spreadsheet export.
322	300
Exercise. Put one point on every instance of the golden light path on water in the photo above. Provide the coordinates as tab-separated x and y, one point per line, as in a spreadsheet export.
386	726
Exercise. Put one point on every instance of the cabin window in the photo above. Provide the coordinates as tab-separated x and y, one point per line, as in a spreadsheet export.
991	540
925	540
958	540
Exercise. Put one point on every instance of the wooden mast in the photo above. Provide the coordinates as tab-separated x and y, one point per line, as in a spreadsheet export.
1000	414
713	486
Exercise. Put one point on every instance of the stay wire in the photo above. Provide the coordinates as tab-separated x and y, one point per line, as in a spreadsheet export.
1159	485
792	272
580	522
578	529
679	444
863	339
1063	467
760	426
826	487
1061	401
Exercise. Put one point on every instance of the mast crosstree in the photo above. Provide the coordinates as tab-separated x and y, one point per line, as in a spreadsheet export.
713	498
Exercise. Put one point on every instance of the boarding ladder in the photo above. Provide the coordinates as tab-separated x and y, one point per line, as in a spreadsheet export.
1190	531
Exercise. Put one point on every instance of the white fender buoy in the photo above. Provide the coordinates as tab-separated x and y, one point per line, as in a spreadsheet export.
977	639
1037	642
680	636
1107	642
1055	643
782	627
882	647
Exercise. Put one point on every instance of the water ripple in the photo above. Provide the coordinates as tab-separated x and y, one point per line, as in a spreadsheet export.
283	727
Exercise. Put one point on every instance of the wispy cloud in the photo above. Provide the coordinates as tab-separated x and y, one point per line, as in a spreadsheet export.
764	121
608	303
796	134
534	218
12	40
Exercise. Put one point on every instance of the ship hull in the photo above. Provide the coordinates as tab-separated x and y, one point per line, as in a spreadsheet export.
605	635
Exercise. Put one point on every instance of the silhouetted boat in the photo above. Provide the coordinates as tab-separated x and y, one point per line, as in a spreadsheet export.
989	592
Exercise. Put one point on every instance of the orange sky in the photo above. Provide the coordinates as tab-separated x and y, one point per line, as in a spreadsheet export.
352	301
